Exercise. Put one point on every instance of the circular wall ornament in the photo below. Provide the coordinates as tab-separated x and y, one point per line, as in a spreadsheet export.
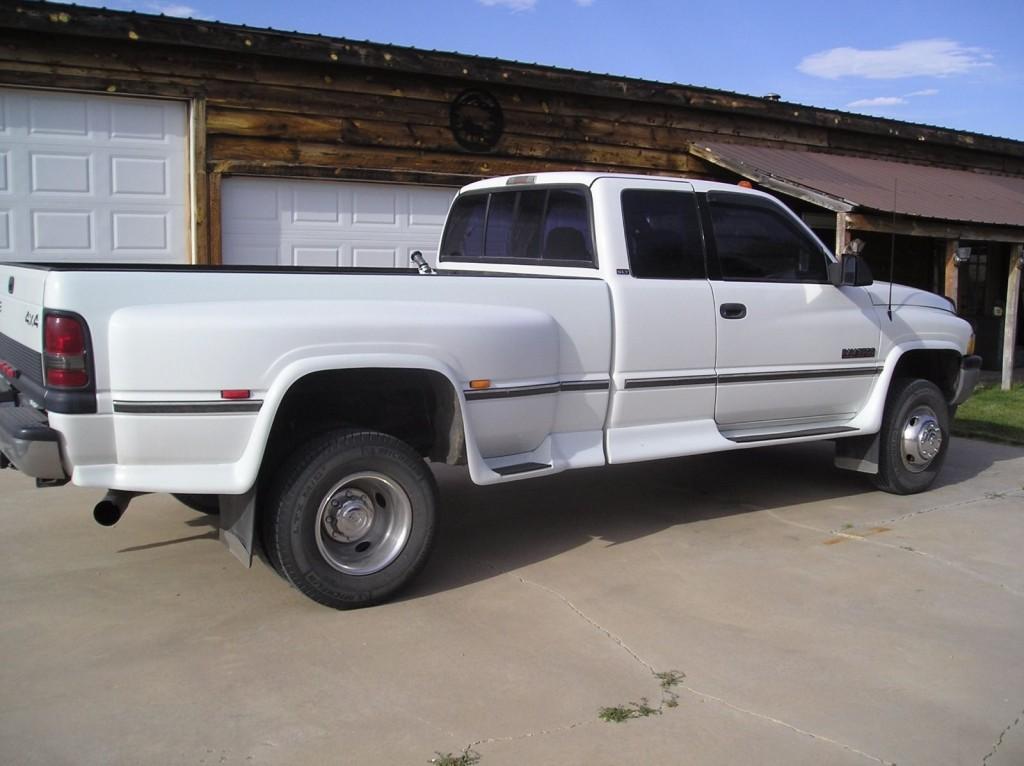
476	120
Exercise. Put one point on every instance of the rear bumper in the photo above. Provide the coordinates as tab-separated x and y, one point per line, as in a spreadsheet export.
28	442
970	370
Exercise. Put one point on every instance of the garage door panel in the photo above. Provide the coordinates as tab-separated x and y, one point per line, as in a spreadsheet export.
5	232
59	230
302	222
68	173
59	116
87	177
147	176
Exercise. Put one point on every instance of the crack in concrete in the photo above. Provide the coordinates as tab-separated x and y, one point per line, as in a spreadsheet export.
600	628
696	692
531	734
1002	735
904	548
791	727
1009	492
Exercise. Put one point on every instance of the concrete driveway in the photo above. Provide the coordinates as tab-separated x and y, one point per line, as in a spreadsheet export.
816	622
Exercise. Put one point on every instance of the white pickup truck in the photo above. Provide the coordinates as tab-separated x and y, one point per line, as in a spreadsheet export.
574	320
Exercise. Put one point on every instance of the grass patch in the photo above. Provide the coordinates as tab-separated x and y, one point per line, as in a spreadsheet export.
642	709
467	757
992	414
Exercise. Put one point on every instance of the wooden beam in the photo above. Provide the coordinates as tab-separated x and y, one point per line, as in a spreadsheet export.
216	254
920	227
1010	315
951	283
200	185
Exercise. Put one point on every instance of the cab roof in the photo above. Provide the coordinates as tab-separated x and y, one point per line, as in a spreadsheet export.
579	178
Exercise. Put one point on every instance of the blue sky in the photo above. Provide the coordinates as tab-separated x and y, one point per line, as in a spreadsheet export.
954	64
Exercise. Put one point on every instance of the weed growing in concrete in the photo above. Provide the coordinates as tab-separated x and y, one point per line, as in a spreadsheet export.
668	680
467	757
621	713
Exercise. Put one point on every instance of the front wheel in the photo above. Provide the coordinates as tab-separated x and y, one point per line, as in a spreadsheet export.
914	437
352	518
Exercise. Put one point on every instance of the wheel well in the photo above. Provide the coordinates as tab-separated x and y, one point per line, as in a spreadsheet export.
940	367
419	407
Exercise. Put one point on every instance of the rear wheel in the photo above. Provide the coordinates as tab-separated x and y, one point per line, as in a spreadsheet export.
351	518
914	437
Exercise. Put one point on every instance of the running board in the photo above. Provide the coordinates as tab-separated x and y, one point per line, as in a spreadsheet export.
748	438
512	470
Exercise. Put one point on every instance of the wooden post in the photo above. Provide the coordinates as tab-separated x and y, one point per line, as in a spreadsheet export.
842	234
1010	315
201	188
215	252
952	281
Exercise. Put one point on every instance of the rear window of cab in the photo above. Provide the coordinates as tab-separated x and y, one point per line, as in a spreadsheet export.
550	226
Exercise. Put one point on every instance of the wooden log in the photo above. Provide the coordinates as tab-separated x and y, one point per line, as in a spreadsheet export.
1010	316
514	154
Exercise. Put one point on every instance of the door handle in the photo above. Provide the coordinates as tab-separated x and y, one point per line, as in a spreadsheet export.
732	310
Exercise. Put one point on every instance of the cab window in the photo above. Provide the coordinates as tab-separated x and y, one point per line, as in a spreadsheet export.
536	225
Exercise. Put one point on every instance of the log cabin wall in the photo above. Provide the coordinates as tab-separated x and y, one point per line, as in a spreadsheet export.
298	105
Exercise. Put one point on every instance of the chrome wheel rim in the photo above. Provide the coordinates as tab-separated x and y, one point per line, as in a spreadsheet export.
363	523
921	440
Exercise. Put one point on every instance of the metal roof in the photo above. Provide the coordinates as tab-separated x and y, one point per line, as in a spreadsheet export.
842	183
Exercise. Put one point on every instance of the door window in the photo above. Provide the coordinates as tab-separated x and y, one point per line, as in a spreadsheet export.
662	234
757	243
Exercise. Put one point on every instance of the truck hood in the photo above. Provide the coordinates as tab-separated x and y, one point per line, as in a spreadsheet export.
907	296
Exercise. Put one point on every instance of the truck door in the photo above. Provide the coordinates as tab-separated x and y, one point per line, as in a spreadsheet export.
664	318
793	351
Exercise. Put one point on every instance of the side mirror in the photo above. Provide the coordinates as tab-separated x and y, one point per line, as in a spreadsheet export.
851	271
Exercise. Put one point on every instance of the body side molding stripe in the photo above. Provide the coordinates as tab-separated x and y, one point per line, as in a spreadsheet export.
185	408
544	388
694	380
699	380
756	377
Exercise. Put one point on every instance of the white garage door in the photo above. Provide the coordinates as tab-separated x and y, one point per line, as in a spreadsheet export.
92	178
330	223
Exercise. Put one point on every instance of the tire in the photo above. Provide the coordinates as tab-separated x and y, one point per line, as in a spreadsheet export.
351	518
209	504
914	438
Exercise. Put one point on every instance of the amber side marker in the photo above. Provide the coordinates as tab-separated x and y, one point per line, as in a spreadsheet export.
478	384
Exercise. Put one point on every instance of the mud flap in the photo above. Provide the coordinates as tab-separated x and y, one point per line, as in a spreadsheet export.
858	453
237	524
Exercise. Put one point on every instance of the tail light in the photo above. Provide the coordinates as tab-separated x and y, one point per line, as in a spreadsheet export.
64	352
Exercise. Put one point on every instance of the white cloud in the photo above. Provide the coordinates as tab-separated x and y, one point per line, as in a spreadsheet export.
175	9
512	5
915	58
891	100
878	101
